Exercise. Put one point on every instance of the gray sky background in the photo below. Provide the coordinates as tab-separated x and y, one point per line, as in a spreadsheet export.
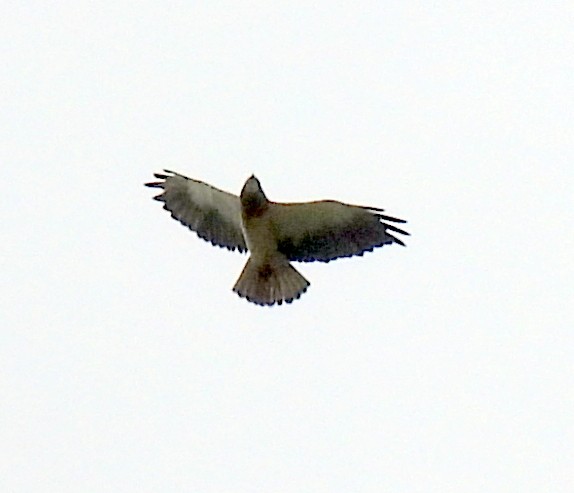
126	362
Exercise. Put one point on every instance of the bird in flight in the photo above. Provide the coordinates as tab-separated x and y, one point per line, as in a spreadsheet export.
274	233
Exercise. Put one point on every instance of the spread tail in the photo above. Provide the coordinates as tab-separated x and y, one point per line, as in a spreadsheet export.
272	282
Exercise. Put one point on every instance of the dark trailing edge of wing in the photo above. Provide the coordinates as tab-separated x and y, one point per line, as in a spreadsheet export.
201	235
204	237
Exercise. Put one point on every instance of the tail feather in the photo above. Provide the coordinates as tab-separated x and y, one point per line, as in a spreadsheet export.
274	282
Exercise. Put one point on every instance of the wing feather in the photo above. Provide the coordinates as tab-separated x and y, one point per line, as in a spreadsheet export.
213	214
327	230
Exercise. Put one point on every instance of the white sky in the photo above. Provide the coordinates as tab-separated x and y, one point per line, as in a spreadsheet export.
126	362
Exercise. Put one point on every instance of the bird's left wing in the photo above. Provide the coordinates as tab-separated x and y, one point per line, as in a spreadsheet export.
213	214
327	230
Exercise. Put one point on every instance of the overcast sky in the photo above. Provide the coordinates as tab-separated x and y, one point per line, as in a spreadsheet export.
127	363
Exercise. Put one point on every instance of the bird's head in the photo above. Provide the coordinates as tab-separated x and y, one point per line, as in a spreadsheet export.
251	186
252	196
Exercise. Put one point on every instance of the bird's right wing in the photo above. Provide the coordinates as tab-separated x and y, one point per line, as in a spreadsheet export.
213	214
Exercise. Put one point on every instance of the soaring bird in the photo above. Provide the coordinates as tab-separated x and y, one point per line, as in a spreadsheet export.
274	233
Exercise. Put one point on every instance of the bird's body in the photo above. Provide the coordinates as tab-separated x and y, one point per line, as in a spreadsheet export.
255	224
274	233
258	233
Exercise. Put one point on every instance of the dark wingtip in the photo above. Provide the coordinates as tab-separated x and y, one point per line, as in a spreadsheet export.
396	240
396	230
161	176
391	219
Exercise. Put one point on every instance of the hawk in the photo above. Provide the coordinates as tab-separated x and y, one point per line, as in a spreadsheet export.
274	233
